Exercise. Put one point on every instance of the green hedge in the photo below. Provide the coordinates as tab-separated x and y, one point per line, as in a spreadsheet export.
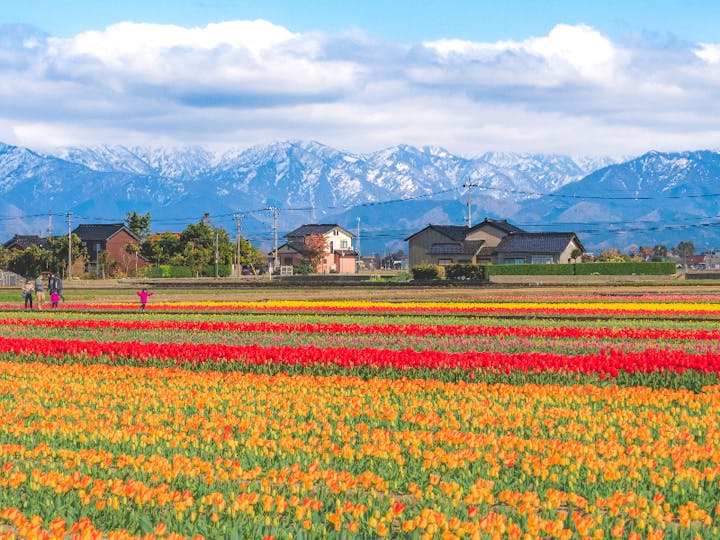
639	268
528	270
427	271
465	271
167	271
224	270
580	269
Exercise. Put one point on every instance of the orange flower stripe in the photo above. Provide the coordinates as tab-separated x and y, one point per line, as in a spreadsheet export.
121	452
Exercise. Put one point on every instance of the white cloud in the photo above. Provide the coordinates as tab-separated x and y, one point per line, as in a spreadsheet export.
709	52
568	51
232	58
247	82
120	41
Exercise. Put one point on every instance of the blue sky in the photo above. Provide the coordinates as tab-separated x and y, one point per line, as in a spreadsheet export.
395	20
576	77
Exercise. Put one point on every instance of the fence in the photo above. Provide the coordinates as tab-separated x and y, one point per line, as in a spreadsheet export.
11	279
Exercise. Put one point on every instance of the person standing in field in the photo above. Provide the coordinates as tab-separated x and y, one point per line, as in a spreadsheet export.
40	291
54	299
58	287
144	294
27	292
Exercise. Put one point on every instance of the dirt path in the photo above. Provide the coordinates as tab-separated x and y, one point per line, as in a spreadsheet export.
509	286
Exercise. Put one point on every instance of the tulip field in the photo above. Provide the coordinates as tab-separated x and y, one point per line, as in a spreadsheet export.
574	416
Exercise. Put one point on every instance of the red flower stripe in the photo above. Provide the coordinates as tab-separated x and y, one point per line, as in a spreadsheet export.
377	329
608	362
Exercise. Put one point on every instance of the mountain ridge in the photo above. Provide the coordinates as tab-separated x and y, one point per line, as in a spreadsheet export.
392	191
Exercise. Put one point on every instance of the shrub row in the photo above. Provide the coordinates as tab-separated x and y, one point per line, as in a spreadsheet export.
168	271
485	271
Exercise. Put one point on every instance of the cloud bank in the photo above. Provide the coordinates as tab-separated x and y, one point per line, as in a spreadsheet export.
240	83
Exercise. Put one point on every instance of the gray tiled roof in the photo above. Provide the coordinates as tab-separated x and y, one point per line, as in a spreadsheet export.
99	232
24	241
501	224
316	228
544	242
454	232
469	247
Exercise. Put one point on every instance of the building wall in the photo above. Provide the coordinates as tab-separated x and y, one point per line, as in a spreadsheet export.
419	245
490	234
565	256
527	257
347	264
337	240
116	249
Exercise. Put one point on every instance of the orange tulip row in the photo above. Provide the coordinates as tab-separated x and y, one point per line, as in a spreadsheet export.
278	454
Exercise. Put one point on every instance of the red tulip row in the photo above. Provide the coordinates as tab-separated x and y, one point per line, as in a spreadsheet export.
608	362
376	329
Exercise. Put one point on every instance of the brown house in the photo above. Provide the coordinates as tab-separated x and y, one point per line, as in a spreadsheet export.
491	241
109	242
456	244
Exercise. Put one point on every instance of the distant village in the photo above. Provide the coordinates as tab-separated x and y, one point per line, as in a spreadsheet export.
129	249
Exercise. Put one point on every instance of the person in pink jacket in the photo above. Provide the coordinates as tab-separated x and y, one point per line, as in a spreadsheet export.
144	294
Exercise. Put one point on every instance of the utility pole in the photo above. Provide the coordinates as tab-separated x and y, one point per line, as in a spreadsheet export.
274	211
358	235
469	205
69	223
216	255
238	218
50	228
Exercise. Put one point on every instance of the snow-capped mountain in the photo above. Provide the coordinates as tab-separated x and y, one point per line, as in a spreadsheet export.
393	192
656	198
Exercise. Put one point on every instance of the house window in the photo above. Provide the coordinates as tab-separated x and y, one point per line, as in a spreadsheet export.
444	262
343	244
332	248
541	259
288	261
514	261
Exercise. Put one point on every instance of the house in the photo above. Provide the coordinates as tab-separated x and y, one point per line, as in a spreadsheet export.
712	259
491	241
111	239
535	248
340	256
456	244
23	241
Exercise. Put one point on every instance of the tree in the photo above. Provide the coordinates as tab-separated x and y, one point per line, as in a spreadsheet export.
659	253
315	249
30	262
159	249
610	255
576	254
130	254
684	250
5	257
197	257
389	260
138	224
249	255
58	246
